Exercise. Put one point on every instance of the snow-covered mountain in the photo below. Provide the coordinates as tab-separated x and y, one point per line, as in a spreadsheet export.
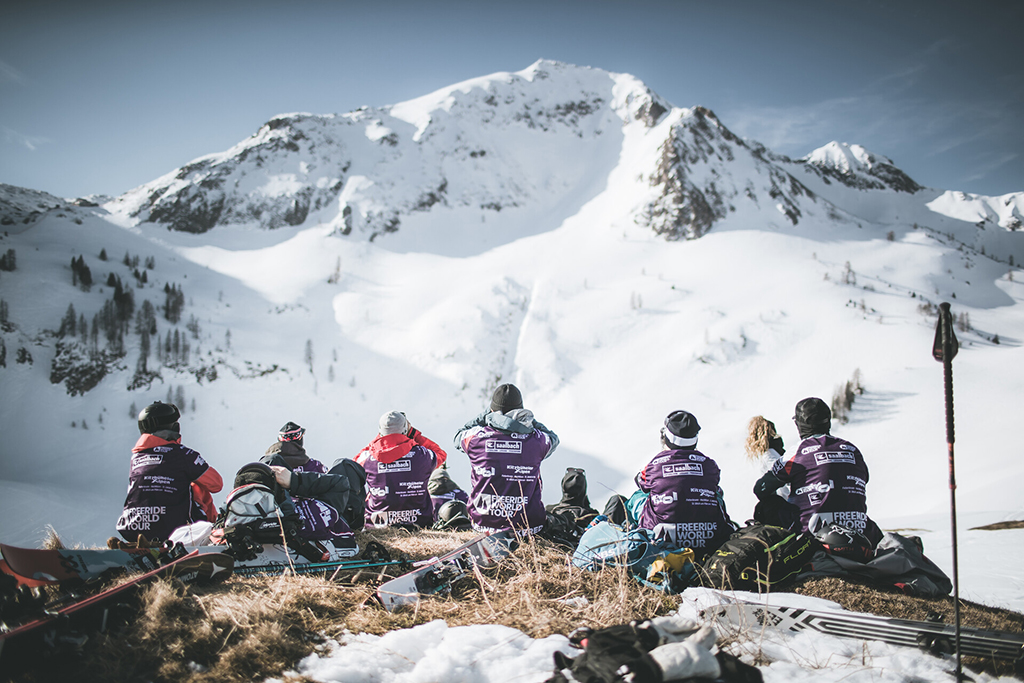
563	228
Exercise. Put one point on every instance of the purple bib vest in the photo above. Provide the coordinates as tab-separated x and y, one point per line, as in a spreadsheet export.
396	492
505	478
827	479
159	496
683	503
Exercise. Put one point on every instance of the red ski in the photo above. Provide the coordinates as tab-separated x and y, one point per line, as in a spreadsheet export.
70	620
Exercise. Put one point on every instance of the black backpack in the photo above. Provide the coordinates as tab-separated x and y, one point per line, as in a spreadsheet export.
620	653
759	556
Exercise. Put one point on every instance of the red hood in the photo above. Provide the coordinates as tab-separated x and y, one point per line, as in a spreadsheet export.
147	441
390	448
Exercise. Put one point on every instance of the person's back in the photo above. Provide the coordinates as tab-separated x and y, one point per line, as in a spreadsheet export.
319	496
443	489
827	475
506	446
169	485
398	463
684	502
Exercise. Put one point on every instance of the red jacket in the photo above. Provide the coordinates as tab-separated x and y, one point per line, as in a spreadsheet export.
391	447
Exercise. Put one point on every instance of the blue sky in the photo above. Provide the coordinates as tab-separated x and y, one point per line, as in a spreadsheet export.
100	97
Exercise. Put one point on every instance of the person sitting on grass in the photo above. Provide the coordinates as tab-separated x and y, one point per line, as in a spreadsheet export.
678	498
169	485
398	463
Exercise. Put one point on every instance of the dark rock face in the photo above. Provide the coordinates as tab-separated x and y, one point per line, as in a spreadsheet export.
212	191
697	185
684	210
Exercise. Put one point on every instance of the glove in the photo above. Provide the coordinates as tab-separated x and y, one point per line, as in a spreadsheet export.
672	629
690	658
776	445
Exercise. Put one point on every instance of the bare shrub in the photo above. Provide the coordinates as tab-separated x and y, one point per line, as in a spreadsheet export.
844	396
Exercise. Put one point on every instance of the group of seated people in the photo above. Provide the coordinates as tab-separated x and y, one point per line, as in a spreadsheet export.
400	479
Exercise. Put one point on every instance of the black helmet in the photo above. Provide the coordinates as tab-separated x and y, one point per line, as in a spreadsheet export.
256	473
843	541
157	416
812	416
453	516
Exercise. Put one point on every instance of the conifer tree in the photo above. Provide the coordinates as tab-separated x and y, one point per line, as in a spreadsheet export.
69	323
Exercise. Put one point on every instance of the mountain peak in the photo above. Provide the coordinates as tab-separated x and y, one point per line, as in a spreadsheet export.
856	167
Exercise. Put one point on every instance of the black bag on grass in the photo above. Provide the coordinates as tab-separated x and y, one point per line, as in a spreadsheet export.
622	653
759	556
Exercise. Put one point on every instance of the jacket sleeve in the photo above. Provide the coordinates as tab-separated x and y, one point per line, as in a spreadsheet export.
210	480
317	484
421	440
333	489
641	480
551	435
767	486
478	421
203	488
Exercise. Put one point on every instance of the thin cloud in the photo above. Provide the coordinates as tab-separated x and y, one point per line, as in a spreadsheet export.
786	129
989	166
29	142
8	74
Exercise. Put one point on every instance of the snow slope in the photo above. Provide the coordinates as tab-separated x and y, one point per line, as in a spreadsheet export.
562	228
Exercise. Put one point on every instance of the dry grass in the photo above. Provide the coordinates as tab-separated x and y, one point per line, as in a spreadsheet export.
1014	524
252	628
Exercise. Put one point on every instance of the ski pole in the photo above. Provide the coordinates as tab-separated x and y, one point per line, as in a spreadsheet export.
944	349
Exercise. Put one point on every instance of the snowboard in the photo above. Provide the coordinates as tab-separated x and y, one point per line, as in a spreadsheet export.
436	575
67	621
44	566
935	637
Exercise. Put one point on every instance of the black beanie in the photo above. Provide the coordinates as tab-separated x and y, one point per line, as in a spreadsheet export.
291	432
812	416
681	429
506	398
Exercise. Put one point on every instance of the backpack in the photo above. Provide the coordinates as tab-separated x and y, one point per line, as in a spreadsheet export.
353	509
252	510
560	528
759	556
670	571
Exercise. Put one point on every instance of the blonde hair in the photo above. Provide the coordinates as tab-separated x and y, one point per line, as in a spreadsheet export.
759	431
